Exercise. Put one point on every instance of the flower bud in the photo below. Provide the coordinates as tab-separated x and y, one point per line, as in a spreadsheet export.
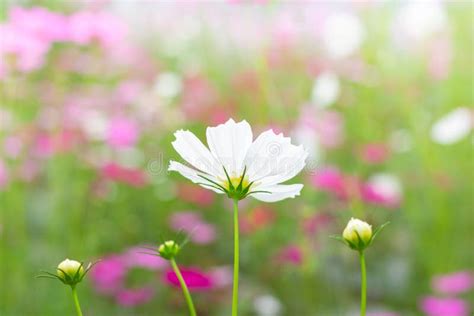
70	271
169	249
358	234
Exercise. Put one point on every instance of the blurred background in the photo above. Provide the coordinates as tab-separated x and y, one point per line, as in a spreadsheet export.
379	92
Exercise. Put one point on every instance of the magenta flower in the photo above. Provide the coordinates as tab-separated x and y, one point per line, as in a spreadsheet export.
454	283
433	306
195	279
122	132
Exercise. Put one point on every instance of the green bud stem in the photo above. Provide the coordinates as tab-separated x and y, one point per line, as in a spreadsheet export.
363	284
76	300
235	290
187	296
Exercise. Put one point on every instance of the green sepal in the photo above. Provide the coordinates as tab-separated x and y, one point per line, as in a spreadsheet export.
377	231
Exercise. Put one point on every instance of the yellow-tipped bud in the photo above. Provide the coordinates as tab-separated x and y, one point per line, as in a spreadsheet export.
169	249
70	271
358	234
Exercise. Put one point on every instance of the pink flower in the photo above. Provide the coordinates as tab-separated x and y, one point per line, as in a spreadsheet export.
324	127
316	222
221	276
128	91
12	146
138	257
39	22
198	97
433	306
383	313
330	180
382	189
108	275
3	175
86	27
291	254
374	153
195	279
441	55
29	170
133	297
28	51
195	194
199	231
117	173
44	146
256	219
122	132
454	283
330	127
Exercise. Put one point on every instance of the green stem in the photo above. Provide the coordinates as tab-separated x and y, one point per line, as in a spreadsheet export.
76	301
187	296
363	284
235	291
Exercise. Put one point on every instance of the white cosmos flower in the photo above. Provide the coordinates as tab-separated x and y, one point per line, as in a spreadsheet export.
326	89
453	127
238	166
342	34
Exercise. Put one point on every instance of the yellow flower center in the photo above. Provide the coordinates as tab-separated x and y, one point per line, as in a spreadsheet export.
235	182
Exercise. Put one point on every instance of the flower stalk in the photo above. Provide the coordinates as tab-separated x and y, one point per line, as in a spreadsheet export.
358	235
70	272
76	300
235	290
184	287
363	284
168	250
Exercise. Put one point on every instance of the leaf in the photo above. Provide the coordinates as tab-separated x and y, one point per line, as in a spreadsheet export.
338	238
378	230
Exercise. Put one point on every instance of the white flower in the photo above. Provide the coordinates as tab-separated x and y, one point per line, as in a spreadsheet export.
342	35
417	21
168	85
238	166
267	305
326	89
357	229
387	186
69	268
452	127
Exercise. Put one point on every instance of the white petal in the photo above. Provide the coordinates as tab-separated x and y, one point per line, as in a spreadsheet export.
192	175
229	143
452	127
278	192
194	152
273	159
